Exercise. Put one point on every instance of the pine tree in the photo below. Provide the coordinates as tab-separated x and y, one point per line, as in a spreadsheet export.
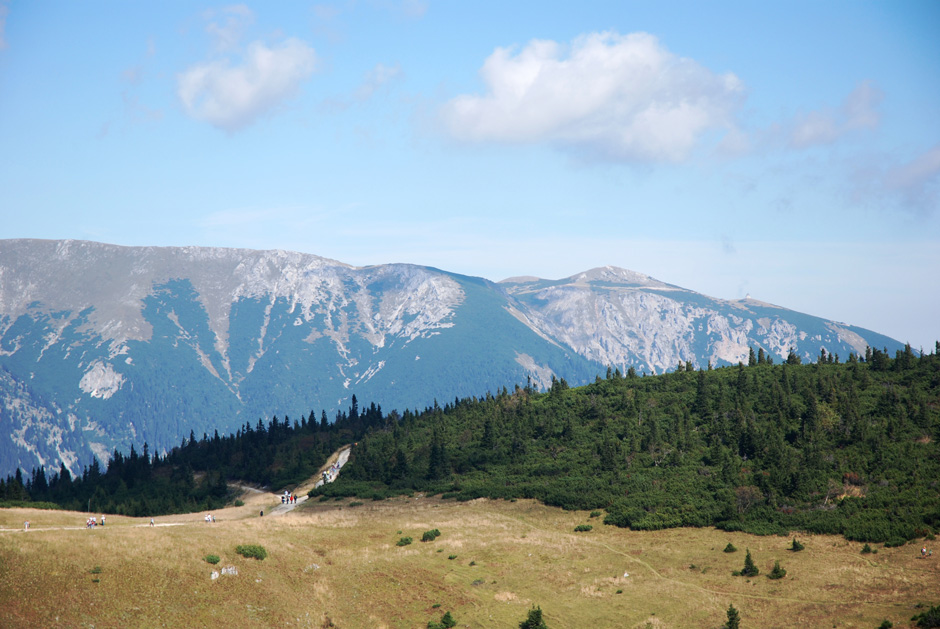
749	570
534	620
734	618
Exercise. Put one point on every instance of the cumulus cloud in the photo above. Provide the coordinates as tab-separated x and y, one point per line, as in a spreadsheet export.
825	126
232	96
618	97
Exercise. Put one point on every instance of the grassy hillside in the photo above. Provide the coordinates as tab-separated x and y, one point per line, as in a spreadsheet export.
340	564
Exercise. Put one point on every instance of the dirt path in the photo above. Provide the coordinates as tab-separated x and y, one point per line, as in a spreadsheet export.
254	498
336	462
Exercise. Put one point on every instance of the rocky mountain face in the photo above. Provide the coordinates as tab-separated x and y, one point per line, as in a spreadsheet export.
102	347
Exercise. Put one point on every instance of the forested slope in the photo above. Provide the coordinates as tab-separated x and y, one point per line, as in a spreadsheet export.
848	448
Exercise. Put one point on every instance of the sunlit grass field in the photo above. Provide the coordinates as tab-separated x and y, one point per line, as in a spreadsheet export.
330	564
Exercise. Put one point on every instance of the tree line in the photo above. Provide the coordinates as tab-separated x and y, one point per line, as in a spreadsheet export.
197	474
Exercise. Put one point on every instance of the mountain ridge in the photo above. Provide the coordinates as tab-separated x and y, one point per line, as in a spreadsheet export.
106	346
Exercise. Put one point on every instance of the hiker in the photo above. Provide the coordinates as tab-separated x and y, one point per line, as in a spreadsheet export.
151	521
923	552
262	514
102	519
26	525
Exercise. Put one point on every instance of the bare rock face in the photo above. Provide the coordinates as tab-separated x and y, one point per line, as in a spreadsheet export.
105	347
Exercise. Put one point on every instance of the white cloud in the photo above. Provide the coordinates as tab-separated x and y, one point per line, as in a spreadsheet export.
228	25
231	97
825	126
619	97
376	78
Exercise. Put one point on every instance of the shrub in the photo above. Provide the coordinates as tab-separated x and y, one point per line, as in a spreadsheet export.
452	556
734	618
730	548
95	570
447	621
251	551
404	541
595	514
356	503
583	528
886	624
239	503
777	572
796	546
430	536
213	559
930	618
866	549
533	620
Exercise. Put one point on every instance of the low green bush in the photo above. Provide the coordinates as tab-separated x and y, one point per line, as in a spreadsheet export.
430	536
730	548
447	621
929	618
777	572
251	551
866	549
356	503
404	541
595	514
213	559
796	546
583	528
239	503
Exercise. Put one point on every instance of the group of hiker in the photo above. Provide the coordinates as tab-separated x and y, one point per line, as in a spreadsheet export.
924	553
209	518
288	498
92	522
330	475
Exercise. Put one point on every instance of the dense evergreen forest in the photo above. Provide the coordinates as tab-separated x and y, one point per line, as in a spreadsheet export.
846	448
195	475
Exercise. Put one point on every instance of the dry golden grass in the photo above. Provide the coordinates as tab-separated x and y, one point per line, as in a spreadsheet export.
328	562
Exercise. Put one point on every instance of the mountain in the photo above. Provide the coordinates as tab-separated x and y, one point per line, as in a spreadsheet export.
104	346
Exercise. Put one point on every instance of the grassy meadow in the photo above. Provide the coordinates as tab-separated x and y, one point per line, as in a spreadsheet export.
330	564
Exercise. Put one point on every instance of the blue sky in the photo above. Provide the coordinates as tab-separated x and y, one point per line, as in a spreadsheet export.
786	150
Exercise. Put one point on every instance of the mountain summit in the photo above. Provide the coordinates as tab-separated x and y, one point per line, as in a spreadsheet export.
105	347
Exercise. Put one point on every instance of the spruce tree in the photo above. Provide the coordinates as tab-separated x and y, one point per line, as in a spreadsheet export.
734	619
749	570
534	620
